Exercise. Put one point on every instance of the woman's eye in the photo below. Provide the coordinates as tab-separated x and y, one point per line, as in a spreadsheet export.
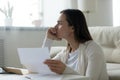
60	23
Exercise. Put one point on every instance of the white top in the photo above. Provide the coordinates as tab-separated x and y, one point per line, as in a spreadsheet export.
73	59
90	61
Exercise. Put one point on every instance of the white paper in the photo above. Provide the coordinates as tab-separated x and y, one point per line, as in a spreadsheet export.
33	59
44	76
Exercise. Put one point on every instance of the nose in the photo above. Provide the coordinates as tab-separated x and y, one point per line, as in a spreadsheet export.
56	26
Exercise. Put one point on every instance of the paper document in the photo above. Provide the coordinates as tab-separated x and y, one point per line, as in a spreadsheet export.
33	58
44	76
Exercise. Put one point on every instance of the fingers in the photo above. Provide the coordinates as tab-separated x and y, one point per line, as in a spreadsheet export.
55	66
49	61
52	33
56	70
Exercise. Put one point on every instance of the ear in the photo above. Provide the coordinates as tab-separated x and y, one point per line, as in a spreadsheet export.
72	28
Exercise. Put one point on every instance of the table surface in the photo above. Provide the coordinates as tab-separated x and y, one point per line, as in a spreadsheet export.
23	77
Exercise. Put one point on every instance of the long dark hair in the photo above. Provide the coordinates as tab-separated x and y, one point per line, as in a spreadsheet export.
76	19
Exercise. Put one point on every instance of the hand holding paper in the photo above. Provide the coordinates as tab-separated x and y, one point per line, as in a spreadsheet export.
55	66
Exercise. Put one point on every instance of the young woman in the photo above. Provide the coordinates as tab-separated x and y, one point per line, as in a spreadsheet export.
82	55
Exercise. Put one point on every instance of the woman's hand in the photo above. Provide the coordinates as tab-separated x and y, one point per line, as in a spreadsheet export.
52	33
55	66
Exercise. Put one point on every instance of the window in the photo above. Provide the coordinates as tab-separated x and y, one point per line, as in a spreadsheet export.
116	12
31	13
25	12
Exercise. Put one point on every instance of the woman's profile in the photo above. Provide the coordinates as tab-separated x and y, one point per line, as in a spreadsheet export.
82	55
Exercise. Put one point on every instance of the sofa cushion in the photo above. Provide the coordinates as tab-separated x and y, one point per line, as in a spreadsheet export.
113	66
114	74
116	53
107	37
117	43
113	70
108	53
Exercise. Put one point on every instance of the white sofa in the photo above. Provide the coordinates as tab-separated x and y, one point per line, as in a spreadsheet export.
109	39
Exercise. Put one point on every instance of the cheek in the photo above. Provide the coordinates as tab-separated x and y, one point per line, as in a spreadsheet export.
63	33
60	31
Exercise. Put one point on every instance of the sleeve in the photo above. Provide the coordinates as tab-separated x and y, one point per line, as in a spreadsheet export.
69	70
47	43
60	54
95	62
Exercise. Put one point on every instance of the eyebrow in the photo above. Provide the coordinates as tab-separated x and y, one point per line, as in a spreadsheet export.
59	21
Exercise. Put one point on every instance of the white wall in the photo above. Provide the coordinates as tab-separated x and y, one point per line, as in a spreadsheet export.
103	15
116	12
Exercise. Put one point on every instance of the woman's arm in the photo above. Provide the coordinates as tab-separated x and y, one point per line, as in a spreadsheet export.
47	43
96	64
51	35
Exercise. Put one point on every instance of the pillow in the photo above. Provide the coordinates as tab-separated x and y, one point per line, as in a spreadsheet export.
117	44
108	53
116	53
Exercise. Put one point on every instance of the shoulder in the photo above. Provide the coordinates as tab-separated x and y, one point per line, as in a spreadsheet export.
92	45
89	45
92	48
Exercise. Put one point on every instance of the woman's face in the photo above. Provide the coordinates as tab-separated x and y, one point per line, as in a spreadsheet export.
63	29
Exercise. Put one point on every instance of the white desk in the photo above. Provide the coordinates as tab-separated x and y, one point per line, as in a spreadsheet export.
22	77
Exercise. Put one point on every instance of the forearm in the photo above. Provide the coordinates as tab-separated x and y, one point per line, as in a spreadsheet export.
47	43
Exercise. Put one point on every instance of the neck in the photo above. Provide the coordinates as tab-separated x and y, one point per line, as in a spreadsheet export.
74	45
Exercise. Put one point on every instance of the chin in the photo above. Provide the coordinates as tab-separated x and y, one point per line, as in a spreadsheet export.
60	37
